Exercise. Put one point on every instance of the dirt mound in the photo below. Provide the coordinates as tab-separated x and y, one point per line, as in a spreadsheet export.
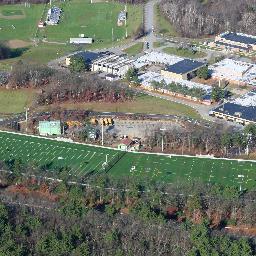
243	229
18	43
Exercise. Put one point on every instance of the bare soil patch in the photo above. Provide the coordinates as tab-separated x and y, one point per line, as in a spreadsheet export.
18	43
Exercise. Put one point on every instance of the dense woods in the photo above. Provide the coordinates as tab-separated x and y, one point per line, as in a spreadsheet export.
193	18
118	217
59	87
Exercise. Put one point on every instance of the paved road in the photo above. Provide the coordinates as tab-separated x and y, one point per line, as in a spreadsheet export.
149	23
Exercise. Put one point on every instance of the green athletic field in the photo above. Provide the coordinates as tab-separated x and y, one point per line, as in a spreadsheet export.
18	21
85	160
94	20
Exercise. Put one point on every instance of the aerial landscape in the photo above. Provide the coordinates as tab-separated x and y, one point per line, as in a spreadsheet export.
128	127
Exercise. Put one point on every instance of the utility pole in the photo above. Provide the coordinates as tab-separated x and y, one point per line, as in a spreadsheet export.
162	129
26	109
102	132
248	142
242	180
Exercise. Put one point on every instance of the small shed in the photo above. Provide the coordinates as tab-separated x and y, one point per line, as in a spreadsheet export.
125	144
49	128
79	40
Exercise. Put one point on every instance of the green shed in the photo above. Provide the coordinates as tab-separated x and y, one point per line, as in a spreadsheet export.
49	128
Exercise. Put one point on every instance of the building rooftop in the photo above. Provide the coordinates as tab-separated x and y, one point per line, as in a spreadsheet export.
232	46
148	77
89	56
185	66
156	58
243	107
240	38
234	70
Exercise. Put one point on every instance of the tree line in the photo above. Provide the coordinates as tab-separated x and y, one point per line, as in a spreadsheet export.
193	18
127	216
215	139
58	87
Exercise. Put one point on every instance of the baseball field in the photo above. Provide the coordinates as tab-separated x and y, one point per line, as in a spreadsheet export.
85	160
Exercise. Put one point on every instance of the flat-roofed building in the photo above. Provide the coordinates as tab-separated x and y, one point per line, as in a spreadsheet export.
117	65
87	56
81	40
237	42
241	110
237	72
185	69
49	128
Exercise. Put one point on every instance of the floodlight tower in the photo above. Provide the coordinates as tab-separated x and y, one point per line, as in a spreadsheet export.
102	132
162	129
26	115
242	180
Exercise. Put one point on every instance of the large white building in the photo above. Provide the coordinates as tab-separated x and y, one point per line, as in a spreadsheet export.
237	72
117	65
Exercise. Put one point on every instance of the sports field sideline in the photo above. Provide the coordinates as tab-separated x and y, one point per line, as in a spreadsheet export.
87	160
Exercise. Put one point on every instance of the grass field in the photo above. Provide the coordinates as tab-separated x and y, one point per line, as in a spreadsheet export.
14	101
141	104
94	20
15	26
12	12
79	16
135	49
183	52
85	160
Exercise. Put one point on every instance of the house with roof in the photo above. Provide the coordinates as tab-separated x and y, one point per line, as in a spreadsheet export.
125	144
183	70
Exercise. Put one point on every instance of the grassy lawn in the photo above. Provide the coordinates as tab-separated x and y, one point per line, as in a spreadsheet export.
159	44
79	16
14	101
135	49
142	104
12	12
22	26
184	52
163	26
94	20
86	161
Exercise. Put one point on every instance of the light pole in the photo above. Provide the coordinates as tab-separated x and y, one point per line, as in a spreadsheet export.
248	142
162	129
102	132
26	109
242	179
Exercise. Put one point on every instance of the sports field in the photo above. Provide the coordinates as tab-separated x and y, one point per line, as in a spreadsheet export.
85	160
18	21
96	20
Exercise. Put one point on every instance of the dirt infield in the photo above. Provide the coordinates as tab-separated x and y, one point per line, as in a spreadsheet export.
18	43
